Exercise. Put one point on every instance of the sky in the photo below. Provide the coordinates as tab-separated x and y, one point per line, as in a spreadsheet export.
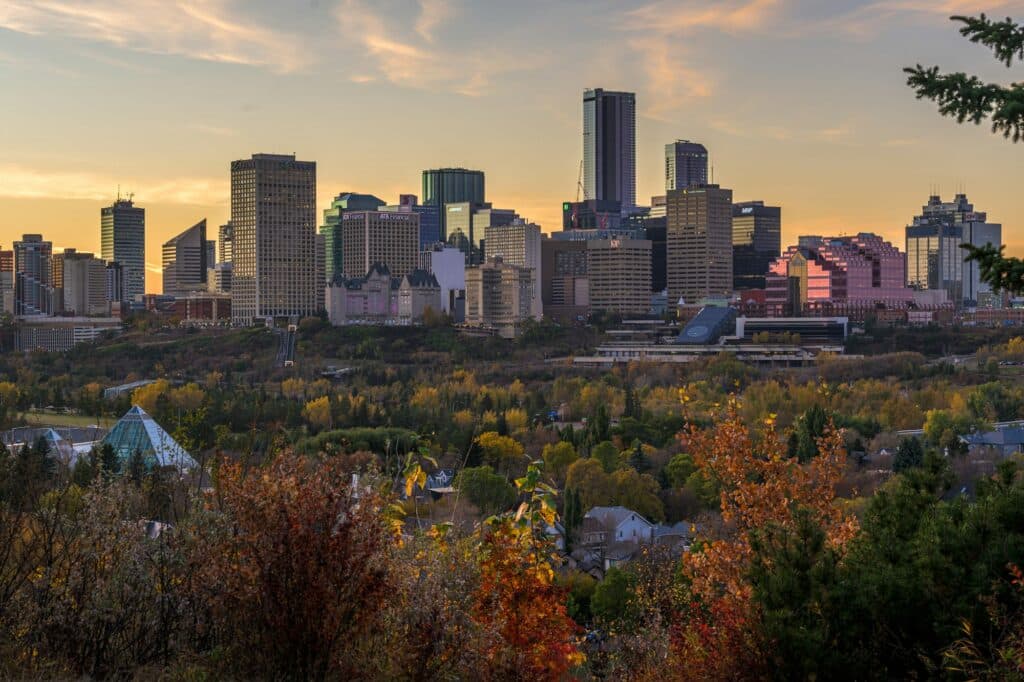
801	103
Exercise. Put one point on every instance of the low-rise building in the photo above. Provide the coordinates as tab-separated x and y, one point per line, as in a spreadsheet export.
59	334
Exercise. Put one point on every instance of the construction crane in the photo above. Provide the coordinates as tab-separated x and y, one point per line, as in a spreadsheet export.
579	190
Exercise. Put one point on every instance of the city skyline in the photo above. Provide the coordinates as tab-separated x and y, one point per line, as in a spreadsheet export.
838	140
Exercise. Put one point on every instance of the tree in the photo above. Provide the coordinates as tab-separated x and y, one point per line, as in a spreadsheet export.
606	453
761	486
558	457
590	481
969	98
318	413
613	597
501	452
297	568
679	469
491	493
909	455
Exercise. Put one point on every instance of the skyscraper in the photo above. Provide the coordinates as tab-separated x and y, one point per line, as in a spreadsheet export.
273	213
442	186
686	164
934	257
372	237
699	243
185	261
609	147
123	239
756	242
33	288
331	227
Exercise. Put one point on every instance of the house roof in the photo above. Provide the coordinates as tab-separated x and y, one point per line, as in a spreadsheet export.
612	517
1010	436
422	278
137	431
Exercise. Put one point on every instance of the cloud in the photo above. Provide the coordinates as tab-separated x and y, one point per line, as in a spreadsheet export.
205	30
410	58
663	32
19	182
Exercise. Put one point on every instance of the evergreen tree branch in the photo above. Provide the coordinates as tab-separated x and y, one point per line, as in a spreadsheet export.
996	270
1005	38
968	98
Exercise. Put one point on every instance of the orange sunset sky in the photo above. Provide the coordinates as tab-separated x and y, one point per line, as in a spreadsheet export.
801	103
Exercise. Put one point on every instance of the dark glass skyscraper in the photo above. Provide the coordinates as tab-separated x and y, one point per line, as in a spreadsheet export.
123	239
756	242
609	147
686	165
442	186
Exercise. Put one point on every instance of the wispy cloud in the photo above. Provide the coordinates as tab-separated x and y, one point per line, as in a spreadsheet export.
200	29
416	58
662	38
21	182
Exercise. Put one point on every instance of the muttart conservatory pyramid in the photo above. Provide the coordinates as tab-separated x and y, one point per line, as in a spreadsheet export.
137	431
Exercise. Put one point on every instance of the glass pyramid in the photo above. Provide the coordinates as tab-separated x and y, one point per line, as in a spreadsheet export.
137	431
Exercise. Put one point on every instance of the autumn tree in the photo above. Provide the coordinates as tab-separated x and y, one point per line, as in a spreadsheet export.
558	457
490	492
501	452
761	486
297	571
518	598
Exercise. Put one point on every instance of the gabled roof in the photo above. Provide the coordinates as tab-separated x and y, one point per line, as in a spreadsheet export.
138	432
422	278
612	517
1012	435
379	268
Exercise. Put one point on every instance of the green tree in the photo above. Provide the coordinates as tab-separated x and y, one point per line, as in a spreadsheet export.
614	597
909	455
679	469
491	493
606	453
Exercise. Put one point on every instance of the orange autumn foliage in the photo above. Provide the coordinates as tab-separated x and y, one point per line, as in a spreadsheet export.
517	600
761	485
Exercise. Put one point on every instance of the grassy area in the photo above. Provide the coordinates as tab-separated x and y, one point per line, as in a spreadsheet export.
45	418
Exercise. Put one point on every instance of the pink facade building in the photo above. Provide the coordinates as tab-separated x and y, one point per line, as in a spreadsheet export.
838	274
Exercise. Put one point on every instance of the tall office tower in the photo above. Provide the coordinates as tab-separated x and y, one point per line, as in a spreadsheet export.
652	228
519	244
7	281
273	212
33	290
211	252
123	239
609	147
699	243
185	261
443	186
934	257
756	242
331	227
430	218
218	278
498	296
380	237
619	272
225	235
84	284
686	165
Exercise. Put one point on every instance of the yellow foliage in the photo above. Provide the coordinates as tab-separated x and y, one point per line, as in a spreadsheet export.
188	397
464	419
425	398
318	412
146	396
516	419
294	389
